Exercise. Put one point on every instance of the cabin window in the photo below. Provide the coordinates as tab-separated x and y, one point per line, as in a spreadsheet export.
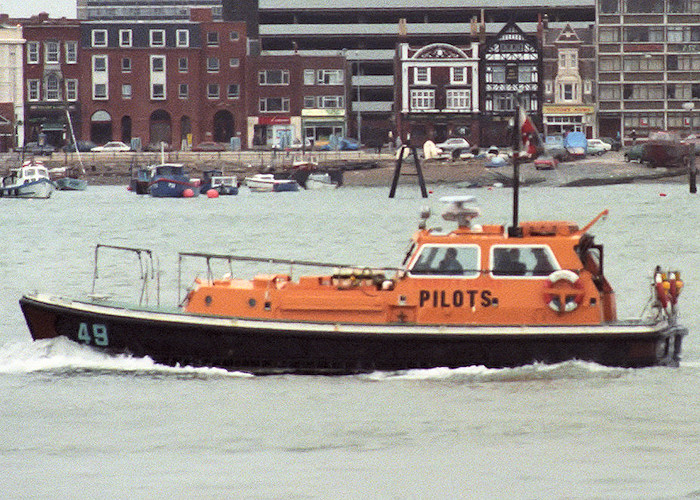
447	260
523	260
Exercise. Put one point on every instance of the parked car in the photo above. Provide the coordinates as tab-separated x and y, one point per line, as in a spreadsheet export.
615	144
634	152
209	146
83	147
158	146
38	150
349	144
546	163
596	147
111	147
453	144
694	140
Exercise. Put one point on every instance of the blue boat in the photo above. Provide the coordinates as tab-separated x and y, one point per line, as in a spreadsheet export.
170	180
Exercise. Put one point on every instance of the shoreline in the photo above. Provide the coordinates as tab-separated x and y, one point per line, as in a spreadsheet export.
369	169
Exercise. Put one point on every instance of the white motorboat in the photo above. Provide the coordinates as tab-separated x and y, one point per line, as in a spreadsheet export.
268	183
31	180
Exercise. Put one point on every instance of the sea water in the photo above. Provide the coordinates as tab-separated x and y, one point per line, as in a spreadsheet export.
75	423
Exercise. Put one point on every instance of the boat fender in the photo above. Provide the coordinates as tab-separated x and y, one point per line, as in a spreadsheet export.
675	286
661	293
572	296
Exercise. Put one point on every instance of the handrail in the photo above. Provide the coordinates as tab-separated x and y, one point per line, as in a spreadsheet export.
147	267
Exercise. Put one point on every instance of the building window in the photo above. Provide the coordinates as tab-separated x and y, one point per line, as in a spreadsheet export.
71	90
233	36
609	63
273	104
330	76
213	64
32	90
609	7
157	64
157	38
212	39
309	76
458	75
421	76
71	52
609	93
503	102
422	99
645	6
644	34
587	86
459	99
99	91
567	91
273	77
157	91
548	89
182	65
331	101
99	38
232	91
52	52
608	35
213	91
183	91
99	64
309	101
32	52
126	65
527	73
234	62
182	38
53	89
126	91
125	37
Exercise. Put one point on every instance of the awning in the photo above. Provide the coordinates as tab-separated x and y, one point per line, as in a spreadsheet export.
52	127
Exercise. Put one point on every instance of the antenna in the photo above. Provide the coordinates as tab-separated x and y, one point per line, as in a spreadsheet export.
514	231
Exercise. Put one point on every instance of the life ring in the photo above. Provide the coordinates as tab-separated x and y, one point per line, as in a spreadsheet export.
563	291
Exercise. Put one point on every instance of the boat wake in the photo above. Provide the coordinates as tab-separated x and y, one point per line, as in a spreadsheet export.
62	357
534	372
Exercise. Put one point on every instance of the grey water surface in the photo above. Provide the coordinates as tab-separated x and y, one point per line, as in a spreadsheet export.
75	423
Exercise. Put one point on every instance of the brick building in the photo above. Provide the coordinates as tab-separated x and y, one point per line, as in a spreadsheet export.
176	82
11	87
293	97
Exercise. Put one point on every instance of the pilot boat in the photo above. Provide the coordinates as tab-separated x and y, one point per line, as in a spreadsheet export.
477	295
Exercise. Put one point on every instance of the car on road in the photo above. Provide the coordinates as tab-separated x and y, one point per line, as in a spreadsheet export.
615	144
634	152
453	144
83	147
546	163
38	149
207	146
597	147
111	147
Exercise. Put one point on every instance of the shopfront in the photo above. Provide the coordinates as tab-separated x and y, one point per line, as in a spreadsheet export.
559	119
320	124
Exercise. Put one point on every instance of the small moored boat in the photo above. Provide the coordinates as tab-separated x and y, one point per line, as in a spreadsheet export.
268	183
223	184
476	295
170	180
30	180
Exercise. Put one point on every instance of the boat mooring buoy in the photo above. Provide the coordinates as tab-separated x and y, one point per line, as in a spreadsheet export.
212	193
187	193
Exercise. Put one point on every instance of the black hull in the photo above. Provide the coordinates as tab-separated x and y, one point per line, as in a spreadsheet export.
315	348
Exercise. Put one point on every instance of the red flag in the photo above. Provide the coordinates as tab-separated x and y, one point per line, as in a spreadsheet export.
530	142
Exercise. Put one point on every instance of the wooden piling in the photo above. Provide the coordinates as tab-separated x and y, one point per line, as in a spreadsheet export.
397	171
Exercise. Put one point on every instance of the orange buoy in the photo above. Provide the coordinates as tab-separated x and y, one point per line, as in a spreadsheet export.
212	193
187	193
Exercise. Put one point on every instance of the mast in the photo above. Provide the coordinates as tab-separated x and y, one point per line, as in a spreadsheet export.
514	230
75	143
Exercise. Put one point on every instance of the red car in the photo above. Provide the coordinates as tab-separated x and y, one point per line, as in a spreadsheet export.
546	163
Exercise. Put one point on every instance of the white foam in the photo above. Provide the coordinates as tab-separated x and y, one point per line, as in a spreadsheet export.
62	355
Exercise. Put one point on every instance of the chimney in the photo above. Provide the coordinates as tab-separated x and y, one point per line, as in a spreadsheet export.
243	10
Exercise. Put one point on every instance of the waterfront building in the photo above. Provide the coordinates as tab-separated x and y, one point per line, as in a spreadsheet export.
294	98
11	85
568	73
178	82
648	66
437	92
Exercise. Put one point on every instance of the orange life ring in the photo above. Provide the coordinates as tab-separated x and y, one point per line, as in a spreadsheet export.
563	291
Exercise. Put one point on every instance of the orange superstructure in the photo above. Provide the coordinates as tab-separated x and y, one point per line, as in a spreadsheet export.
548	273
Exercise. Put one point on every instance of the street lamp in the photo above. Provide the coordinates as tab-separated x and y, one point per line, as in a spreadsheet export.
689	107
359	115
